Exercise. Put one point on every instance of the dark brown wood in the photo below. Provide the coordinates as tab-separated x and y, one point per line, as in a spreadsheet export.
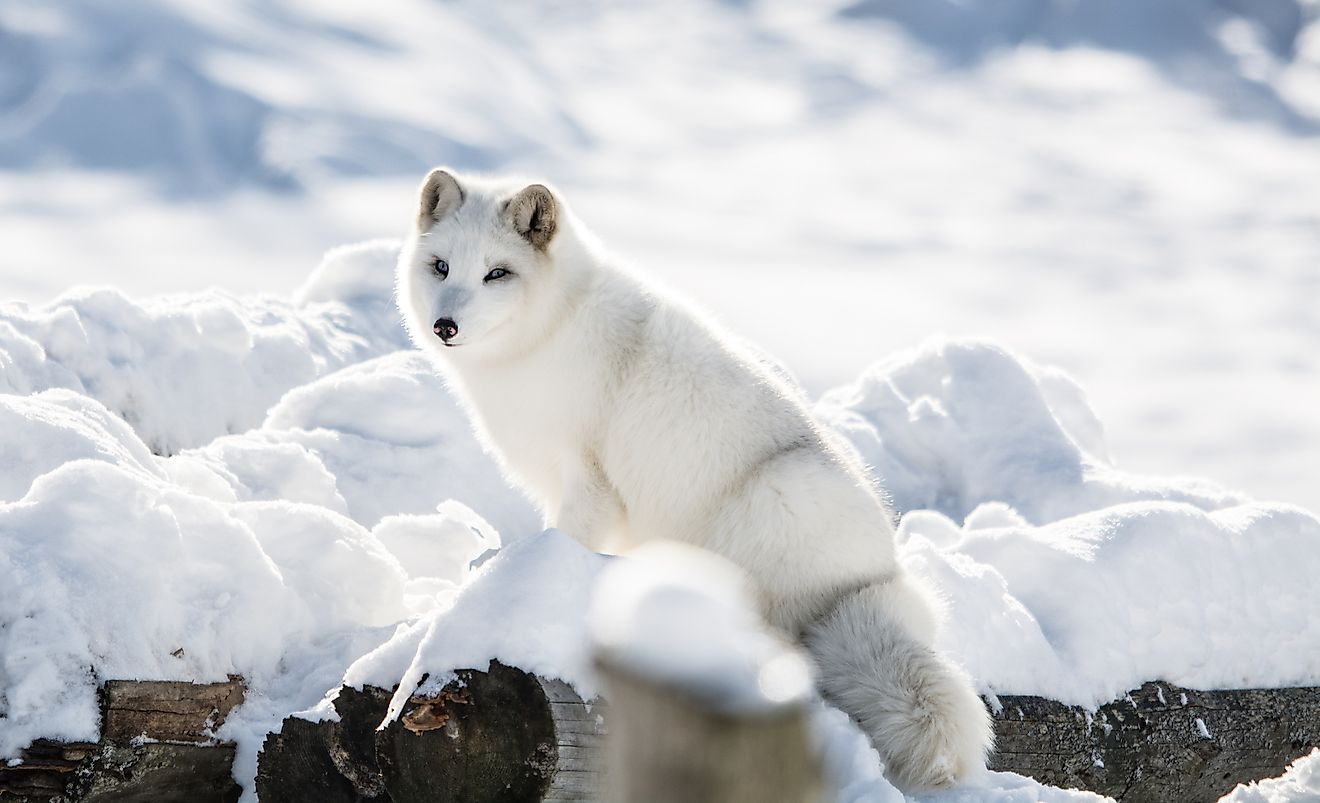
162	773
495	735
352	744
486	736
294	766
502	734
47	769
1160	742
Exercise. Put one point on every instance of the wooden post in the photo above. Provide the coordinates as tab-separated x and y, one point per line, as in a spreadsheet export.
707	704
666	746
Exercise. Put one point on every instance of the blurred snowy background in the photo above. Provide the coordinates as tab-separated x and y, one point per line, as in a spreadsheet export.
1127	189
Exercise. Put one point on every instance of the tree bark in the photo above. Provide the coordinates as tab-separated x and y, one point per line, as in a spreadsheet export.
495	735
506	735
166	711
1160	742
156	747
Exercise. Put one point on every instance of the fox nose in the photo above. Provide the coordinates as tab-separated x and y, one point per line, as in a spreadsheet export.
446	329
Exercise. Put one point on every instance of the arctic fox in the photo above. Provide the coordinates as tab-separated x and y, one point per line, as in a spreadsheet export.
629	417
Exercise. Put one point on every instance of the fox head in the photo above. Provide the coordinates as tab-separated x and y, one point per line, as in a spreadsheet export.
479	274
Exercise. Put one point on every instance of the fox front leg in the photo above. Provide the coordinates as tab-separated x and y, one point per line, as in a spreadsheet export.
591	512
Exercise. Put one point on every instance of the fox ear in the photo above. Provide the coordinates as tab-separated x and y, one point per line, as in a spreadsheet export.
533	214
440	195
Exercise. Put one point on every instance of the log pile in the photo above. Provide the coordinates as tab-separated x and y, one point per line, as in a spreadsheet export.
156	747
505	735
501	734
1159	743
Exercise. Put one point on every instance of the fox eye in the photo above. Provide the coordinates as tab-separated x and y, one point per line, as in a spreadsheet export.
440	268
497	274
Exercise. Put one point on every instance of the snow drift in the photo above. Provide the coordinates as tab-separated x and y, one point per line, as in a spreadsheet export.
202	485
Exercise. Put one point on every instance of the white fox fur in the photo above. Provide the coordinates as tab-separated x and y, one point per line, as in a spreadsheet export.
630	417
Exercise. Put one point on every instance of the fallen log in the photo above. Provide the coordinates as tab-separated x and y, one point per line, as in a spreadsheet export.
488	737
491	734
500	734
166	711
1160	742
156	747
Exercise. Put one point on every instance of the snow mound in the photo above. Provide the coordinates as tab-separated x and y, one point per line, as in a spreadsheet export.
396	441
957	423
525	607
357	281
112	573
325	514
1085	608
442	545
1299	784
182	370
41	432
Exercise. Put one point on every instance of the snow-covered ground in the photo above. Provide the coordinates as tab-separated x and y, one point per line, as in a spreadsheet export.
204	484
1127	191
1121	188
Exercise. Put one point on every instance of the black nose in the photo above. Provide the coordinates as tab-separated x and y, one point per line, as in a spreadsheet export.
445	329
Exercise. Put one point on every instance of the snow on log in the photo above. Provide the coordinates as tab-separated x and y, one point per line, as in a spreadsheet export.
155	748
501	734
508	735
1158	743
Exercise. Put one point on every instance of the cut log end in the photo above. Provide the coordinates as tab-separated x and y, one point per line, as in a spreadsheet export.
500	734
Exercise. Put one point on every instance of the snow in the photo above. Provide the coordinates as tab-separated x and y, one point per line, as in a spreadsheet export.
1299	784
525	607
181	369
1119	188
225	455
953	424
109	572
1093	605
353	530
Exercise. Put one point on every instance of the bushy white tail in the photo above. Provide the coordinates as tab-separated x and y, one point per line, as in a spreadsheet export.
920	711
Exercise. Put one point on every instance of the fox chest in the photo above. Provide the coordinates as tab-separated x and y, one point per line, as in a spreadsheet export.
538	423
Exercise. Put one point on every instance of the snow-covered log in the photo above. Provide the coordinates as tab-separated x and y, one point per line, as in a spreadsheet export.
504	734
1160	742
155	746
500	734
508	730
